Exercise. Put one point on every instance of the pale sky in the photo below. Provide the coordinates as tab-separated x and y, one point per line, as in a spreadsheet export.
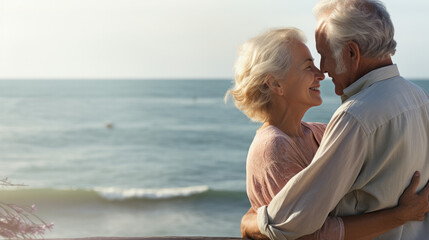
145	39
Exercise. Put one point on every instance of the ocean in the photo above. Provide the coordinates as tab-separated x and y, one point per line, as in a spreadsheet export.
130	158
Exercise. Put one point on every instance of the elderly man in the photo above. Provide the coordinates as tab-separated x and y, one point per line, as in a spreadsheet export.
374	142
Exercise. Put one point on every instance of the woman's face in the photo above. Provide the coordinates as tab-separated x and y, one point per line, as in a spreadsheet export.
302	82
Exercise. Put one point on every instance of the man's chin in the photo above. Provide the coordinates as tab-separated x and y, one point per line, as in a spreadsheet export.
339	92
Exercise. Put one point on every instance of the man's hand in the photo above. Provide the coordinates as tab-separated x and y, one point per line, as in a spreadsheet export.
249	226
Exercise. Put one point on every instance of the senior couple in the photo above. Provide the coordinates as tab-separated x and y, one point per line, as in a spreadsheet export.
367	176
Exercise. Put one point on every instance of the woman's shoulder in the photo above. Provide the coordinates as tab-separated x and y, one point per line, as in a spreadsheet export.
271	135
316	125
270	146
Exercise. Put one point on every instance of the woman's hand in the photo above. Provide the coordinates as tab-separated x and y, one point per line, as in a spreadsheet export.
412	205
249	226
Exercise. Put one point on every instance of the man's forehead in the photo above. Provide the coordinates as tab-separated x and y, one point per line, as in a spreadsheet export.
321	38
321	29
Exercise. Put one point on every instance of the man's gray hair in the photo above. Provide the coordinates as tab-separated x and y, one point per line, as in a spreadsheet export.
366	22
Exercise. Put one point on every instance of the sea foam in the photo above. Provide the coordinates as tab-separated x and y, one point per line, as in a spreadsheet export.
112	193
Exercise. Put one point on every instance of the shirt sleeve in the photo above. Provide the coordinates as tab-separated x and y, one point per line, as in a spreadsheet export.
332	229
304	203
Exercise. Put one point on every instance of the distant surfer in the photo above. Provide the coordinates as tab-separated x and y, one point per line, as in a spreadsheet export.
109	125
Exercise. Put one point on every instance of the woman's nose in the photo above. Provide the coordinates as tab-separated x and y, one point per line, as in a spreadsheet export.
319	75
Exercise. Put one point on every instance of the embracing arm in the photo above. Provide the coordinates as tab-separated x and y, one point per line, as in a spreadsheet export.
412	207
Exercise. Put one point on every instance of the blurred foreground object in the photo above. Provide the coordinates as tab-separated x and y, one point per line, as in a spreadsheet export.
19	222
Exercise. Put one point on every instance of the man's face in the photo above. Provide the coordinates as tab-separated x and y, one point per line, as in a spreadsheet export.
328	63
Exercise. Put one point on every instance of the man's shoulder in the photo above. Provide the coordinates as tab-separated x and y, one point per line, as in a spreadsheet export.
383	101
390	96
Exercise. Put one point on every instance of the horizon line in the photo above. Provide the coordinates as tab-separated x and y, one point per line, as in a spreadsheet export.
113	79
154	79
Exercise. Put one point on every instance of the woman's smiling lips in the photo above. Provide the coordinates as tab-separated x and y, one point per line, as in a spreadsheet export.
316	88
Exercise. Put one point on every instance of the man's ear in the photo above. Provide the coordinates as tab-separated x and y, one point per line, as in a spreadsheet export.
353	52
274	85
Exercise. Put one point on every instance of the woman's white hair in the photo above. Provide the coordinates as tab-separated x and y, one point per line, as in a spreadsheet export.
265	56
365	22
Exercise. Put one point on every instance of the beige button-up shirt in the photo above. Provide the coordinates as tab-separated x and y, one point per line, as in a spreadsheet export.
372	146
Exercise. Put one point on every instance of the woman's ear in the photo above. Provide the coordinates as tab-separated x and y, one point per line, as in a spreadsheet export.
353	54
274	85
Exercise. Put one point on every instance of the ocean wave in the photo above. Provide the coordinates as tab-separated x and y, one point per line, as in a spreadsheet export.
113	193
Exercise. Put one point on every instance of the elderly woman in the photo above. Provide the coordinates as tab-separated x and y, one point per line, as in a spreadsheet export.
276	83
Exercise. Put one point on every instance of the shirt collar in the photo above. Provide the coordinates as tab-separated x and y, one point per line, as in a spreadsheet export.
368	79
